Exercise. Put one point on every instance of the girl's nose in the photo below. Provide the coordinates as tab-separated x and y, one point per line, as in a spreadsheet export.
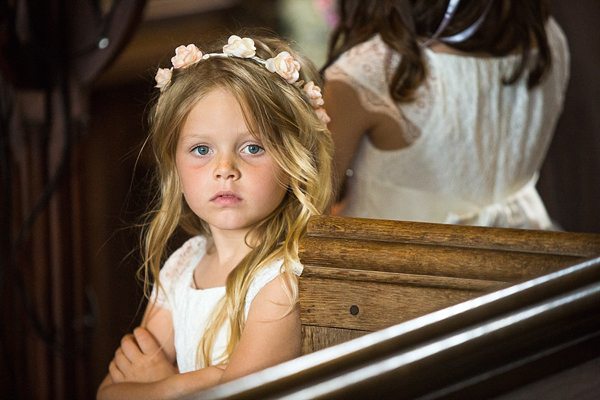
226	169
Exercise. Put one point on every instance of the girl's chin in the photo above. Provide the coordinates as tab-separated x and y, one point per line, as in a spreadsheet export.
230	226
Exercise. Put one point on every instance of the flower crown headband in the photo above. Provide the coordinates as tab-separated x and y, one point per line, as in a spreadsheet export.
282	64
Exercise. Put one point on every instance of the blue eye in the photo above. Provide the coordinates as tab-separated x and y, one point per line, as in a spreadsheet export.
201	150
253	149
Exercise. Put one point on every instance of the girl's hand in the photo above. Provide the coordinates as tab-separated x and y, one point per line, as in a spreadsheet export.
140	359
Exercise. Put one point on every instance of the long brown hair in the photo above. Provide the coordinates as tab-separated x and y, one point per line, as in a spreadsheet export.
510	26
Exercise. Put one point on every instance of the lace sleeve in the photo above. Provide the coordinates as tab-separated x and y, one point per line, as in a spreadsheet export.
368	68
172	270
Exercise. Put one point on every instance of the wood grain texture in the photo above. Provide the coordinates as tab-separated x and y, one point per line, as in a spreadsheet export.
441	282
327	302
436	260
363	275
567	243
320	337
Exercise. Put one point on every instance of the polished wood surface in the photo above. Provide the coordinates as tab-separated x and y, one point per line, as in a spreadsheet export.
454	235
363	275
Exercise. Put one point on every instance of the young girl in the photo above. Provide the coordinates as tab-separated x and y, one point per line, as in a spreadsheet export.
243	157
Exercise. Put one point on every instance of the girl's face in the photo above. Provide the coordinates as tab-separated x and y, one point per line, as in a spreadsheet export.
228	179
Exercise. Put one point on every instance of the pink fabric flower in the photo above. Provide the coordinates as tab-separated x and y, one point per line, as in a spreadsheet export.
284	65
322	114
163	78
238	47
186	56
313	92
315	99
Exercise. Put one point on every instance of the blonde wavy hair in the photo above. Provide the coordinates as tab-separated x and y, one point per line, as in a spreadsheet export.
280	116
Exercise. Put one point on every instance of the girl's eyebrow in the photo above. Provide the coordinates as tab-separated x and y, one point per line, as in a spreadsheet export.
190	136
249	135
193	135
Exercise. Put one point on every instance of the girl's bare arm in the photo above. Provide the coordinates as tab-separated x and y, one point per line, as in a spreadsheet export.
271	336
272	333
157	339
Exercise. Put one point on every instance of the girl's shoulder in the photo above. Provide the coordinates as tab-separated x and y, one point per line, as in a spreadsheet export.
180	260
264	276
186	251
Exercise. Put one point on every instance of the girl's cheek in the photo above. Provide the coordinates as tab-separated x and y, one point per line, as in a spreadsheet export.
195	161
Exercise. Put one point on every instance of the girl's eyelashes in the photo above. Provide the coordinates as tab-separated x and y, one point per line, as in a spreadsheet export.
253	149
201	150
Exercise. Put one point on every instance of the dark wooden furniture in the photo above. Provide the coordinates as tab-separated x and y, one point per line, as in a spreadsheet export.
363	275
459	313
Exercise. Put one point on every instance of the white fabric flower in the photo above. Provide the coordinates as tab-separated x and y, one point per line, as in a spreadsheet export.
238	47
163	78
284	65
313	92
186	56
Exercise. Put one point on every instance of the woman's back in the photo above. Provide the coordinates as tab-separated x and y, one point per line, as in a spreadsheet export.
473	141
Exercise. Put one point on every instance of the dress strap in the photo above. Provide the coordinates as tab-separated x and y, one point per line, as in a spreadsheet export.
462	35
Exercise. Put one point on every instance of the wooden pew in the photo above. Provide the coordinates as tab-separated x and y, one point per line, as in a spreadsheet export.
422	288
537	338
363	275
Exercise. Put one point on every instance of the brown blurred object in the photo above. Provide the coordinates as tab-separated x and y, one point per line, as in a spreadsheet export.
50	53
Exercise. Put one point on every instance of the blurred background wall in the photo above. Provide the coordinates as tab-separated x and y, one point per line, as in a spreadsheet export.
97	299
570	180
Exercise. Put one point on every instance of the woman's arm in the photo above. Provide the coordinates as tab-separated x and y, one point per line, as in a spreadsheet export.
349	123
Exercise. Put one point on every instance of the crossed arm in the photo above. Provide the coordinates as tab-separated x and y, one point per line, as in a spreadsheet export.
144	366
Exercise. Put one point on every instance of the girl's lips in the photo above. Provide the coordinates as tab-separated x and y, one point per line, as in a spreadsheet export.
226	198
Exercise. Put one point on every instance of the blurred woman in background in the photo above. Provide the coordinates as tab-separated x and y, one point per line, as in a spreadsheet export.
443	111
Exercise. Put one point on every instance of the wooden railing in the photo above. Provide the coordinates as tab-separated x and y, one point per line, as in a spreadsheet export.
459	312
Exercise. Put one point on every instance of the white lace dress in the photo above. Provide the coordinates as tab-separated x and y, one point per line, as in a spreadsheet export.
476	145
191	307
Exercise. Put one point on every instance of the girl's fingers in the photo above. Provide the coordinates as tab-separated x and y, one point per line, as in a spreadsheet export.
145	341
121	361
115	373
130	347
119	354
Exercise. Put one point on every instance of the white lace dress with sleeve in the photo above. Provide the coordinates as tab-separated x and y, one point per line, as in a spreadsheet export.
191	308
477	144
